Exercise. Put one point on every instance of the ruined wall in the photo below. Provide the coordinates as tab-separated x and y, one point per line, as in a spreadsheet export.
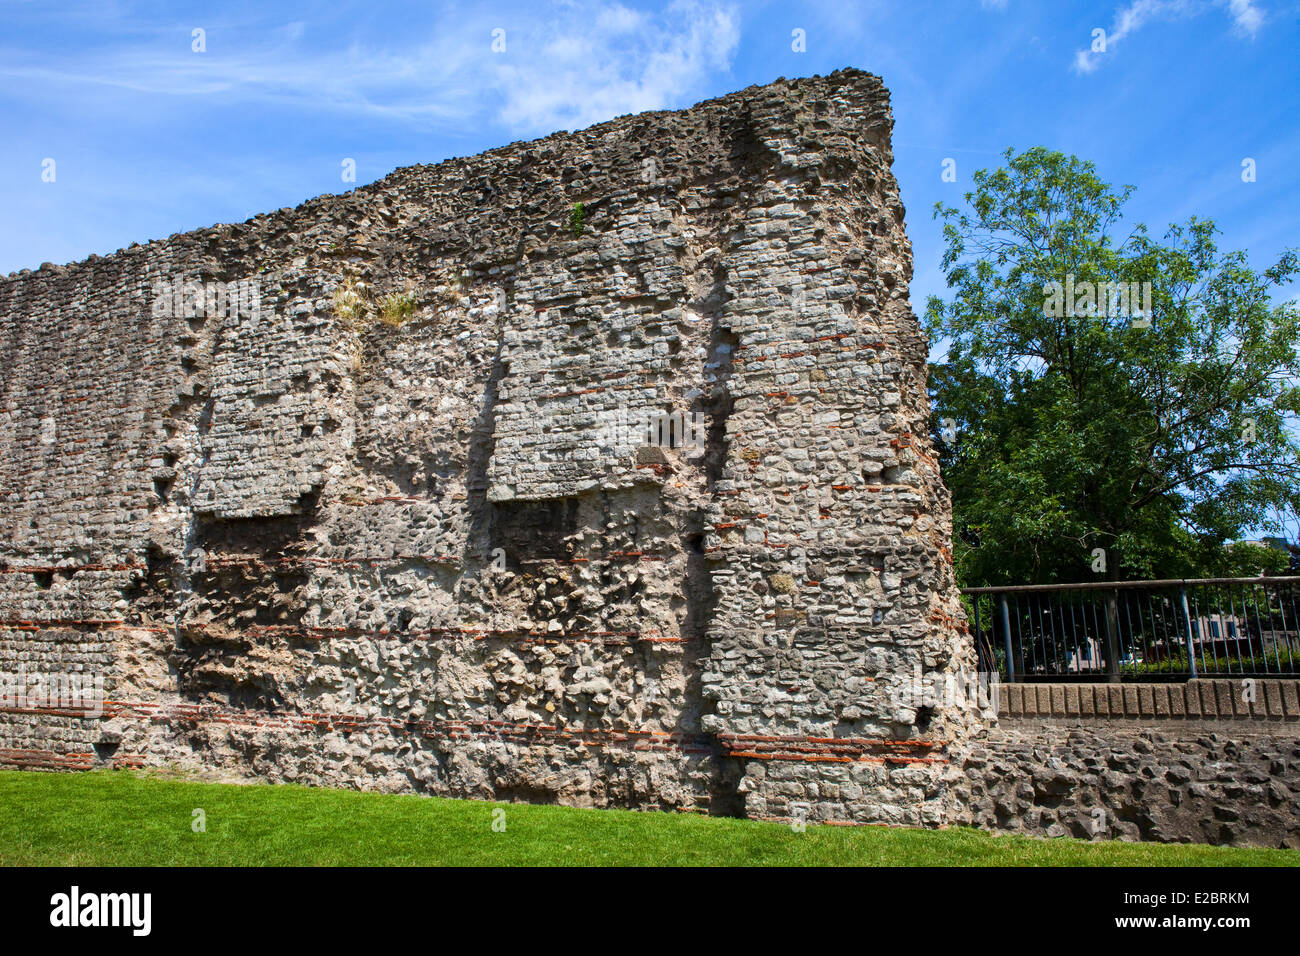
1208	761
303	536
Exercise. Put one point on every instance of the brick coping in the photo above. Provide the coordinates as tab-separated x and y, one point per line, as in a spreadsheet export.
1270	699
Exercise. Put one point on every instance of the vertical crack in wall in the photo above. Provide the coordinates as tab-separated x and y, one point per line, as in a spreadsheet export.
715	403
162	593
481	447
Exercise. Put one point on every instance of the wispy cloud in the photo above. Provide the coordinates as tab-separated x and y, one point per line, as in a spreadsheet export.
1247	19
562	66
621	61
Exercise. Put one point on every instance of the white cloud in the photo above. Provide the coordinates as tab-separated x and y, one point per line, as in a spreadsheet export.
564	66
1246	17
619	19
597	67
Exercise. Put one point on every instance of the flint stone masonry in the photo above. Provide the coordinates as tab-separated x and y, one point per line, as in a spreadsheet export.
356	494
1206	761
1172	781
354	508
353	494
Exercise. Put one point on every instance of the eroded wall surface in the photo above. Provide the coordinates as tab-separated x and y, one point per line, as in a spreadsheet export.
299	542
1167	782
1206	761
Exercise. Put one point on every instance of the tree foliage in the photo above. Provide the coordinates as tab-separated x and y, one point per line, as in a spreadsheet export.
1060	434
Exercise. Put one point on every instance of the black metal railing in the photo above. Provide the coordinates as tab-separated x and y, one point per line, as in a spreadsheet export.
1138	630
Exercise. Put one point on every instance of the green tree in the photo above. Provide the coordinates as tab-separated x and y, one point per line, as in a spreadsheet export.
1156	437
1244	560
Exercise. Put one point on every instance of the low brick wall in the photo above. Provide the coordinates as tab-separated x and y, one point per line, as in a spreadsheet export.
1177	763
1264	699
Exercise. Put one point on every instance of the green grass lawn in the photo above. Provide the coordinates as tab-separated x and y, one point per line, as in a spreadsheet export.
122	818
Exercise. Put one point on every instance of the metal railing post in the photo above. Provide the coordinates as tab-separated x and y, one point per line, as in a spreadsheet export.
1187	622
1112	637
1006	635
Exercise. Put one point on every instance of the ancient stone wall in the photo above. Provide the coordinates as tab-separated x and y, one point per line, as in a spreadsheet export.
372	493
1208	761
357	493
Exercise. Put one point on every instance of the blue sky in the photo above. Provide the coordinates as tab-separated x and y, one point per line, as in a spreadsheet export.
150	137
